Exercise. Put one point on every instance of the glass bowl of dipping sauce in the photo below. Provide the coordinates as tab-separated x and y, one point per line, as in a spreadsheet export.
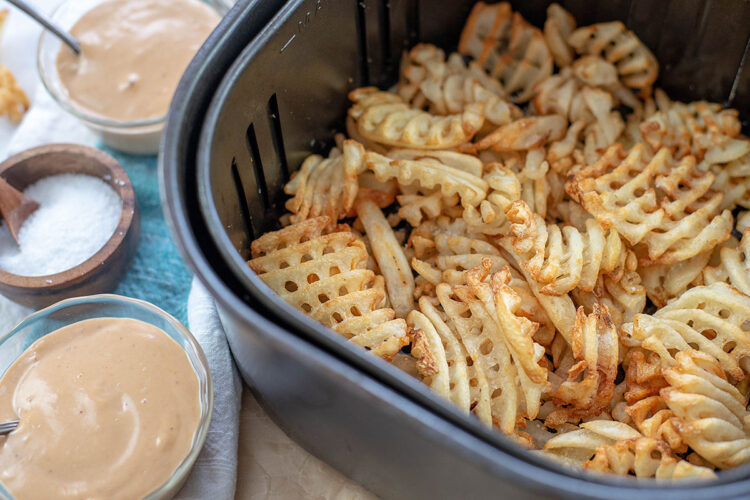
149	321
133	55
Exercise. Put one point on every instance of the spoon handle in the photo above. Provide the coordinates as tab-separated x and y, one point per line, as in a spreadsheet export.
44	21
8	427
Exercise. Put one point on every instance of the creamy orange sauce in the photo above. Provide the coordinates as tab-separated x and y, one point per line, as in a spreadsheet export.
133	53
107	407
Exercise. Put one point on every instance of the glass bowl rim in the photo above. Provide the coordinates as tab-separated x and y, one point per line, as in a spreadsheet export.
80	112
199	436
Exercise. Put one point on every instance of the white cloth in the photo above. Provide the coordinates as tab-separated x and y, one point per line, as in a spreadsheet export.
214	475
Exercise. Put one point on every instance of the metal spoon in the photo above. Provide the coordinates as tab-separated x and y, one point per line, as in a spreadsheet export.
63	35
8	427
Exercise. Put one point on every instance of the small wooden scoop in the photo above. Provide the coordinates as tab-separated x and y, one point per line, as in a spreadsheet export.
15	207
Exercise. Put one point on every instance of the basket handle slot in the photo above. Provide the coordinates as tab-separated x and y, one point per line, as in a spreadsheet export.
364	67
412	23
277	136
256	162
242	201
384	28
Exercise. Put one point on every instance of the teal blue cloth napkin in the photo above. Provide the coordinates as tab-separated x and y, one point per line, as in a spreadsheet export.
158	274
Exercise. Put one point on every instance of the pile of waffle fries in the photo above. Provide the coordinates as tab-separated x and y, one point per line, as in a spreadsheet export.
550	239
13	100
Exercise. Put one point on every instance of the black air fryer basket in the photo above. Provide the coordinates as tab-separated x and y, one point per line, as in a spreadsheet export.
267	90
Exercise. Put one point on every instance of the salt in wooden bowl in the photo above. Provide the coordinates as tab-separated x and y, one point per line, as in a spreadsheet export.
104	270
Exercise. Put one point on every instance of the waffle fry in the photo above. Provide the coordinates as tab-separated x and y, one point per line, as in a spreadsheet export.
635	63
524	134
667	206
326	186
590	383
430	173
557	257
559	309
624	299
384	118
734	266
664	283
644	457
579	445
504	187
711	413
452	380
390	257
428	349
648	411
701	129
324	276
710	319
557	28
505	351
447	87
508	47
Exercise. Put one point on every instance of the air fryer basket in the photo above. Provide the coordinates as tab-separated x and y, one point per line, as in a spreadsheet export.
283	97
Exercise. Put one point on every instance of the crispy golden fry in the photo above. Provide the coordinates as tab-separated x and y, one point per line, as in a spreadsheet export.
711	134
430	172
385	118
557	28
466	163
483	315
664	283
734	266
508	47
324	276
565	258
644	457
326	186
732	173
559	309
530	169
417	204
457	254
701	129
505	187
590	383
427	348
447	86
595	124
635	63
290	235
523	134
711	319
579	445
711	413
646	408
624	299
399	281
13	100
452	378
665	205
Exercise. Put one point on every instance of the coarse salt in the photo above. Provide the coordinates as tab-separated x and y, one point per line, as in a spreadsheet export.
77	215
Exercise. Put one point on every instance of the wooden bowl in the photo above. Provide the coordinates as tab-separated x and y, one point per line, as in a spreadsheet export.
104	270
